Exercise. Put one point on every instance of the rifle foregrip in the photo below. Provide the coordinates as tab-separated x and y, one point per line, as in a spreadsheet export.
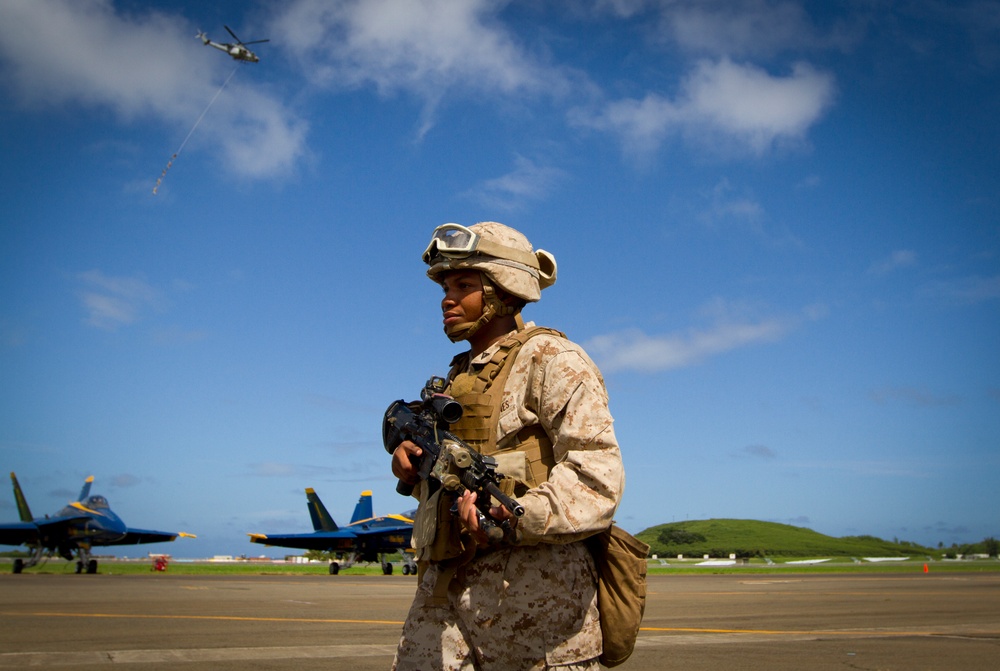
404	488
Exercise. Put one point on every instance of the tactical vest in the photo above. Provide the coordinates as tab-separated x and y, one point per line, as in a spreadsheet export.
526	457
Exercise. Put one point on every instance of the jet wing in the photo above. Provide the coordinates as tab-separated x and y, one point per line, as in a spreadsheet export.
365	534
39	531
18	533
138	536
325	541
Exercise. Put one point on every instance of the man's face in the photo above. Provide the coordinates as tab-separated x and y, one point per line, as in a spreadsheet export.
463	298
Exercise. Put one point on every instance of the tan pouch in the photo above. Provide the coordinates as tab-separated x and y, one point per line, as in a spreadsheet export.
425	524
621	590
516	470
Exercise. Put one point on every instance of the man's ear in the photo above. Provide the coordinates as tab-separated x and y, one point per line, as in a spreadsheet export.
510	299
505	298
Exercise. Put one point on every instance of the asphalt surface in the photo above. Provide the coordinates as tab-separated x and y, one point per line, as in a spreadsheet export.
692	622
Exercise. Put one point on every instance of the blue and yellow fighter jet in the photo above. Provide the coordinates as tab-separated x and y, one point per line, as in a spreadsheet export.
83	524
366	539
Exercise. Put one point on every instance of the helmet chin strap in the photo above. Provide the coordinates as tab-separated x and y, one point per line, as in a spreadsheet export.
492	307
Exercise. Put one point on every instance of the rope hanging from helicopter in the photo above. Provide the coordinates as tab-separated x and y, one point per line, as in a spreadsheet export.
191	132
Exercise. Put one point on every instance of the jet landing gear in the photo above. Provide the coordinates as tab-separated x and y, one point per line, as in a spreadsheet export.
409	566
91	566
335	568
36	556
83	561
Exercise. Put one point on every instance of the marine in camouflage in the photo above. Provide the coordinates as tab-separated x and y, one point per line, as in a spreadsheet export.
533	605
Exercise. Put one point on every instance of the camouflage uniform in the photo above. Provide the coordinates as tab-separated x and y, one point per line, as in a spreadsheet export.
533	605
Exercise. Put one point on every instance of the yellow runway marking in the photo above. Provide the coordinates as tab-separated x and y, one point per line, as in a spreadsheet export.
819	632
234	618
399	623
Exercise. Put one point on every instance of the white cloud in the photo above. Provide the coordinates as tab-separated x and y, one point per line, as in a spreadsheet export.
634	350
623	8
750	27
733	329
964	290
62	53
749	103
423	47
258	134
721	104
526	182
901	258
58	52
642	125
982	20
726	205
111	302
274	469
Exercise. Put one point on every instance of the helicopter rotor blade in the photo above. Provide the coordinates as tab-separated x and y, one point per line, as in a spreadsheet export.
255	42
232	33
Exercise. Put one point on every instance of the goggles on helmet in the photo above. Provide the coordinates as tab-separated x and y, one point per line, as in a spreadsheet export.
451	240
455	241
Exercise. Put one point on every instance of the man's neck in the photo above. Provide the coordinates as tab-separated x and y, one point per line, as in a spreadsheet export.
492	331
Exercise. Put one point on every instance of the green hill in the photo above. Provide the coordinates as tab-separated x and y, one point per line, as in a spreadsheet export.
751	538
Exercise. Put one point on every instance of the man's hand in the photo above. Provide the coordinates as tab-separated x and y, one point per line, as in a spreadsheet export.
403	466
468	515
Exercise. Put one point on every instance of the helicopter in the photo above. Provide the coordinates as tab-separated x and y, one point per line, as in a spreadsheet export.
238	50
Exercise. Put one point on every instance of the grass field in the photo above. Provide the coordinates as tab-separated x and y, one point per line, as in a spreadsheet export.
144	567
910	566
754	538
751	540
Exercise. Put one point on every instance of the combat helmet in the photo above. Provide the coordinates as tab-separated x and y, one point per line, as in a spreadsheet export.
502	255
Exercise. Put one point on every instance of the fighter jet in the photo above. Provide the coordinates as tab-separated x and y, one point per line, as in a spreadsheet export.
366	539
83	524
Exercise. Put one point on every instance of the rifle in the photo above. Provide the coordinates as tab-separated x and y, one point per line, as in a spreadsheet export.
446	459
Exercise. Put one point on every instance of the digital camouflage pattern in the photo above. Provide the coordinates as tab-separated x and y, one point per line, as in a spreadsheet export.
513	277
534	605
531	607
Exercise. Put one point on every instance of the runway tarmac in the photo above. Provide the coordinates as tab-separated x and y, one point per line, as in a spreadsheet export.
693	622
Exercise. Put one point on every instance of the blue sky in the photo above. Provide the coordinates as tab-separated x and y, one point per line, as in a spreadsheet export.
776	225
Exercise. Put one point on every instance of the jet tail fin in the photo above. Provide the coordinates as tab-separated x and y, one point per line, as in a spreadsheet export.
85	492
22	503
317	511
363	511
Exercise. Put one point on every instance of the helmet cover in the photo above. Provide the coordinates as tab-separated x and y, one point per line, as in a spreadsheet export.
524	280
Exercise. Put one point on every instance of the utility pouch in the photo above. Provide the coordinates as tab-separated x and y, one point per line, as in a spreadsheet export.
516	472
436	532
621	590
